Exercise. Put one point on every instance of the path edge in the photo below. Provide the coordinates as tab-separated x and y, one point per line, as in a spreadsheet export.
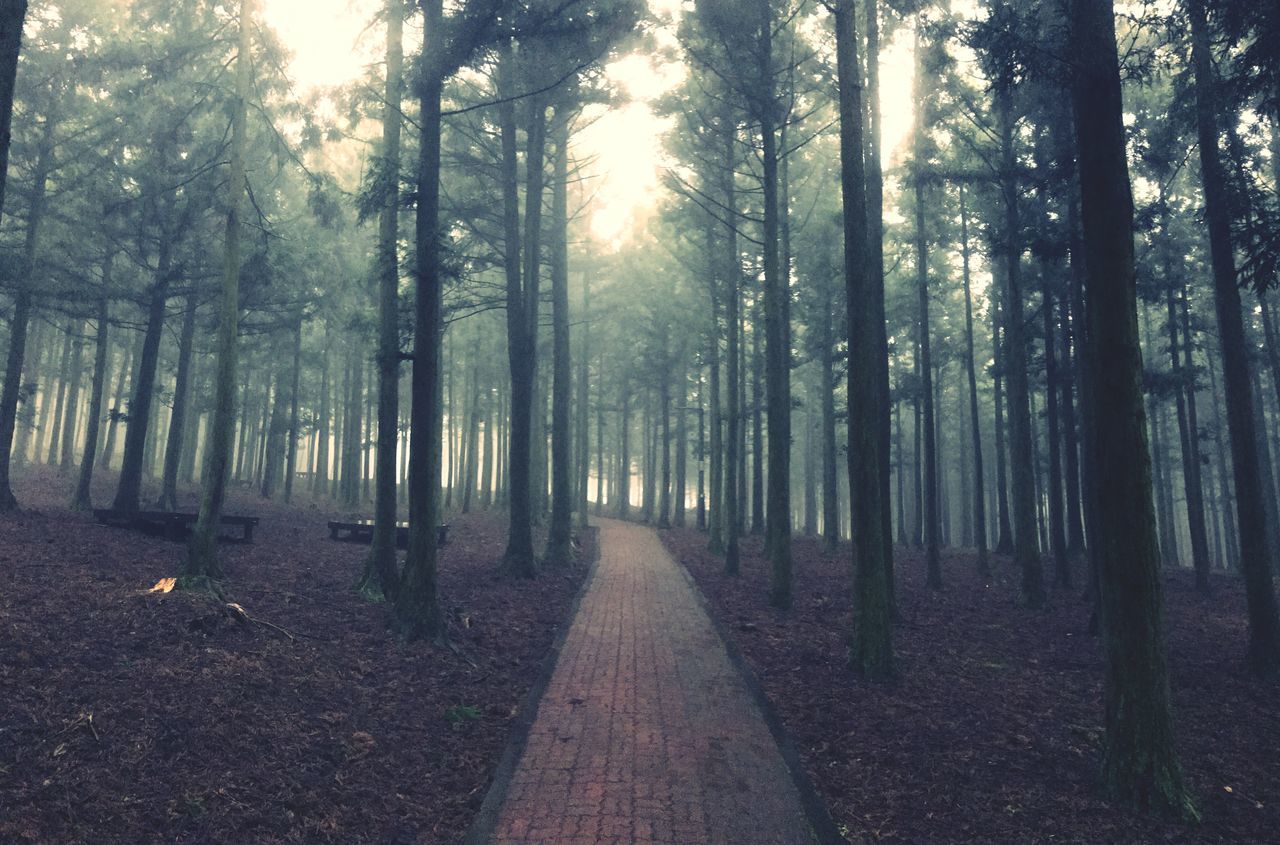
480	832
821	825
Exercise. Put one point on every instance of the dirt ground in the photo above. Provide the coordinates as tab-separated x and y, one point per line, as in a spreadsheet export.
992	731
129	717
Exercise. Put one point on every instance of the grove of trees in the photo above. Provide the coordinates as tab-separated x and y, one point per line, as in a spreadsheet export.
1038	325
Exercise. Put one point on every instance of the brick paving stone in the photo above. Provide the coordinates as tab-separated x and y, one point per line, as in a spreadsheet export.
646	732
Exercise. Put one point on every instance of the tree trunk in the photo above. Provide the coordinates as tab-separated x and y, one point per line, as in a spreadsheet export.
417	605
933	561
380	572
1004	527
715	540
12	16
109	442
1255	562
83	498
181	401
830	489
522	311
291	450
1139	762
732	274
201	565
55	405
583	434
560	531
9	44
1057	529
1189	432
975	424
872	651
1026	550
129	490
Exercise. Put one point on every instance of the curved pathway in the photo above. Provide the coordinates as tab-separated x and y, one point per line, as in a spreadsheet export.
647	732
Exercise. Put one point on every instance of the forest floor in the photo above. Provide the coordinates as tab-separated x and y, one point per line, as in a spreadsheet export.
992	731
132	717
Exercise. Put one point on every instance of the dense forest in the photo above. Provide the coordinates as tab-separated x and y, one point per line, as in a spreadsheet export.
985	279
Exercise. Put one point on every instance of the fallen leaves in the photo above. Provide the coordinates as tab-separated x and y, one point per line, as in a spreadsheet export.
316	724
992	731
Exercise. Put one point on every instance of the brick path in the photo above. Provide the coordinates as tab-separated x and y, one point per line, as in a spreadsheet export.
647	732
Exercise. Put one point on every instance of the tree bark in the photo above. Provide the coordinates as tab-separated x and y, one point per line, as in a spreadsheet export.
129	489
381	569
417	605
1139	763
1255	562
201	564
23	294
1026	550
82	500
975	424
13	13
872	650
522	312
181	400
560	531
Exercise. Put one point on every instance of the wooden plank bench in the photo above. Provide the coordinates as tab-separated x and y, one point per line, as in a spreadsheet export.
174	525
361	531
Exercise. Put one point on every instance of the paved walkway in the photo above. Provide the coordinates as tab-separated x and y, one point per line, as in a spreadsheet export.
647	732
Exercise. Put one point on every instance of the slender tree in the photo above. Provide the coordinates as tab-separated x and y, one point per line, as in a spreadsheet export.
200	569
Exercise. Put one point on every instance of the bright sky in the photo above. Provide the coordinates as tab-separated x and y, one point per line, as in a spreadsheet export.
331	46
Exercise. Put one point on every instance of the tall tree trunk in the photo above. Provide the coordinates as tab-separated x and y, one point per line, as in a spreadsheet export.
1255	562
731	501
1004	526
1139	762
201	564
126	367
872	650
1057	528
82	500
1189	432
1026	550
702	457
522	312
933	561
827	389
291	450
320	481
715	539
875	236
1220	436
601	472
9	44
681	492
624	449
71	417
55	406
417	605
181	400
777	346
583	433
975	424
380	572
810	506
12	15
560	531
757	433
129	489
277	431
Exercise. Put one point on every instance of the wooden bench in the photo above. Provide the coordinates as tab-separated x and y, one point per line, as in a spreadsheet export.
172	524
361	531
